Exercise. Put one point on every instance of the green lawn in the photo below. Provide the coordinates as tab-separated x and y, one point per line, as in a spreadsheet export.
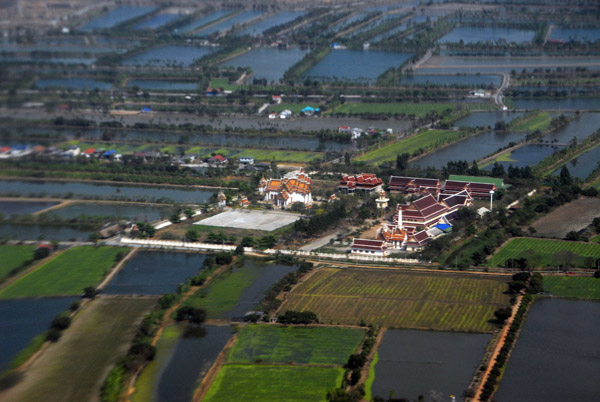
13	257
416	109
547	248
67	274
576	287
540	121
260	383
146	381
223	292
274	344
412	145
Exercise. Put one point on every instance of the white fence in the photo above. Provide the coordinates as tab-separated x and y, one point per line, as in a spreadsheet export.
175	244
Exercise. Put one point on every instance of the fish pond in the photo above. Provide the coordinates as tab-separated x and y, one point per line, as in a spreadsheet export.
9	231
487	34
575	34
157	21
529	155
22	320
258	28
473	148
486	119
193	355
163	85
450	80
103	191
134	212
228	23
412	363
217	15
580	127
341	64
557	103
170	55
9	208
73	83
583	165
268	62
557	355
115	17
154	273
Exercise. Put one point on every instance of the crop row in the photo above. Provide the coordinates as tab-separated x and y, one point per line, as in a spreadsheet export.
580	288
546	248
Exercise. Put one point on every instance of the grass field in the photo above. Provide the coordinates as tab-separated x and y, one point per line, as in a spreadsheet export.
74	368
260	383
546	248
540	121
12	257
415	109
223	292
316	345
418	143
371	378
67	274
146	381
575	287
401	300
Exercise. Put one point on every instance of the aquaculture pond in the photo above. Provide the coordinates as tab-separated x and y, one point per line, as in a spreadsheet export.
486	119
8	208
487	34
137	213
341	64
268	62
103	191
190	360
23	319
115	17
73	83
170	55
413	363
448	80
157	21
499	64
471	149
224	25
203	21
163	85
9	231
582	166
281	18
529	155
575	34
556	358
557	103
580	127
154	273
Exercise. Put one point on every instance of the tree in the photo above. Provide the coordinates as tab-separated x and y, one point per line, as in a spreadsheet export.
533	258
61	322
248	241
189	213
565	178
498	170
175	218
239	250
564	258
268	241
402	161
223	258
502	314
90	292
191	314
41	252
191	235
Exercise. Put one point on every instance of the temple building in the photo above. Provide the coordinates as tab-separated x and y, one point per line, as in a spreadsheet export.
294	187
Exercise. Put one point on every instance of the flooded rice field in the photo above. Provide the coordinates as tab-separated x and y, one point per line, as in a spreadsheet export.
21	320
9	231
133	212
103	191
557	356
413	363
154	273
269	63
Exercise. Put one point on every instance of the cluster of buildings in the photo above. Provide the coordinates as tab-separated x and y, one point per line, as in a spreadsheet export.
429	216
293	187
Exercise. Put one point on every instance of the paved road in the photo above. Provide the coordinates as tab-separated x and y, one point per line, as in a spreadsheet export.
498	98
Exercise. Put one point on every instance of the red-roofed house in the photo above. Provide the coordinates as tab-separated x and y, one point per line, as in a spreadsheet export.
219	159
366	182
368	247
474	189
414	185
294	187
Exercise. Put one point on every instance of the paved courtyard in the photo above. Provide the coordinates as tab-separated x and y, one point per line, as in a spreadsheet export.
250	219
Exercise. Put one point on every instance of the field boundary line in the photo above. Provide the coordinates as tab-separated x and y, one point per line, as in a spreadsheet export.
364	372
117	269
210	376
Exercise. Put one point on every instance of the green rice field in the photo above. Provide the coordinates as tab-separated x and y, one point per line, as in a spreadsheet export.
260	383
547	248
13	257
445	302
67	274
412	145
575	287
540	121
314	345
